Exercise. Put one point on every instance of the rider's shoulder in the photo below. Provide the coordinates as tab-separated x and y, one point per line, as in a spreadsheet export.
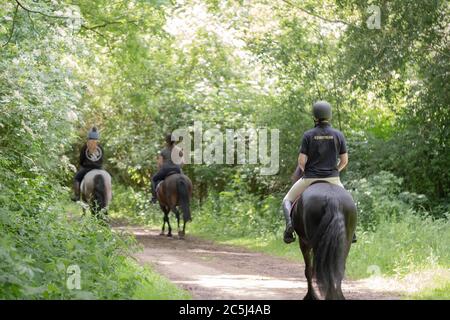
336	131
309	132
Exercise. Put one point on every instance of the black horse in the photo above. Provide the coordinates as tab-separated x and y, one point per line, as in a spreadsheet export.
175	190
325	219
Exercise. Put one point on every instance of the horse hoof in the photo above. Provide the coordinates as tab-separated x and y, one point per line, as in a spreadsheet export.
310	296
161	233
169	235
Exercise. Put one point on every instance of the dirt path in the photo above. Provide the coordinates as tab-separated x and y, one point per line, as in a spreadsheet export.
213	271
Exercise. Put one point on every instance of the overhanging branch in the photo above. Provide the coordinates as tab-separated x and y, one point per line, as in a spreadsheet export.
12	27
320	17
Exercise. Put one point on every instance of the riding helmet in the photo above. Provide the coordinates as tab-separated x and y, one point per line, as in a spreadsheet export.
170	138
93	134
322	110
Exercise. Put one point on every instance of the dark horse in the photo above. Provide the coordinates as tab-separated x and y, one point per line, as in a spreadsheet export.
175	190
325	219
96	190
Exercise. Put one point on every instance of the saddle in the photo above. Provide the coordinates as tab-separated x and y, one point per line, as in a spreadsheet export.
299	197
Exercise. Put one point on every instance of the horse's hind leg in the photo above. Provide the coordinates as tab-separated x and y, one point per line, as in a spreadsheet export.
163	226
306	251
340	295
184	228
166	217
180	232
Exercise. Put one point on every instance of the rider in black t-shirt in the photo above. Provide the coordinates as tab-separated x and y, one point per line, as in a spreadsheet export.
319	152
170	159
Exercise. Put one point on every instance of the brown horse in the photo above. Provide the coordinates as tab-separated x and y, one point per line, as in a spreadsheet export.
175	190
325	219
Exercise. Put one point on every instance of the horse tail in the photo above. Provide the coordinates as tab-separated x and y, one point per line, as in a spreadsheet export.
183	197
329	247
99	192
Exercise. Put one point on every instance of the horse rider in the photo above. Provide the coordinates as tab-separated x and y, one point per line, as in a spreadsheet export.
170	159
318	160
91	157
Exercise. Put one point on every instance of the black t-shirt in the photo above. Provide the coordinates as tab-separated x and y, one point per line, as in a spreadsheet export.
94	160
166	154
322	144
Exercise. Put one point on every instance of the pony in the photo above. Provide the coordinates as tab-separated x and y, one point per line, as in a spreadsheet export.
175	190
96	191
324	218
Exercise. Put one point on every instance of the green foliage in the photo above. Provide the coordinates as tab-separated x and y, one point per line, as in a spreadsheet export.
402	246
394	230
139	69
153	286
133	206
380	198
47	72
442	292
231	213
37	250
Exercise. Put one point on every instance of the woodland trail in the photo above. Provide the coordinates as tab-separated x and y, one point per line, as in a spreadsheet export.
214	271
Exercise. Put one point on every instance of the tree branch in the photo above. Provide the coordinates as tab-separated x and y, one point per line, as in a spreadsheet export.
100	34
12	27
40	12
65	17
108	23
320	17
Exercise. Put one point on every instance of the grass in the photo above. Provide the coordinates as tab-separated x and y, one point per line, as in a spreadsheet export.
153	286
441	292
150	285
401	245
396	250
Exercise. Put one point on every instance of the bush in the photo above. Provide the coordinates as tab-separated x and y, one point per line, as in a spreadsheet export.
133	206
380	198
37	250
408	244
238	214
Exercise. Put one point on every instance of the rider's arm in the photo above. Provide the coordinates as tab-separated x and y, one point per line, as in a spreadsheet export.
303	151
302	158
160	161
343	155
82	155
343	161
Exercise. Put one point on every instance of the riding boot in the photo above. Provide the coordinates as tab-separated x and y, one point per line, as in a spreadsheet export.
289	232
76	191
354	238
154	199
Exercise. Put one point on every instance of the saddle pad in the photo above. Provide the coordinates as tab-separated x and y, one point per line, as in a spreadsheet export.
158	185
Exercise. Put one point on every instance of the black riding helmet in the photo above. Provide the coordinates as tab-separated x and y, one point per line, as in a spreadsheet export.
169	138
322	110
